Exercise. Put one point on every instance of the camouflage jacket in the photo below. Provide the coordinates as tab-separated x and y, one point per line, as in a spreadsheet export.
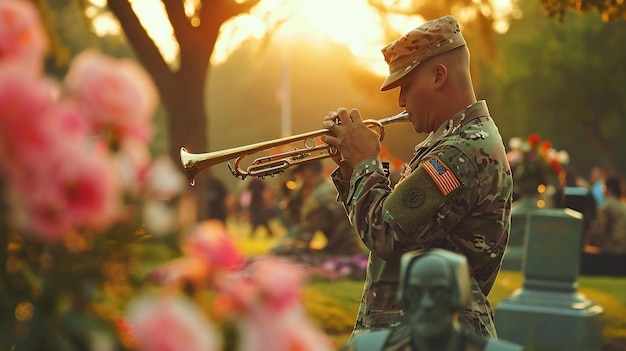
455	194
399	339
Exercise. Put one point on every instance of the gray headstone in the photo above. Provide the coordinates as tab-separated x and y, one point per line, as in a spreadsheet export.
547	313
514	254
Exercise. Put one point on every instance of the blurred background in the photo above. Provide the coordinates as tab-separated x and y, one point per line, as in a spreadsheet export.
232	73
277	67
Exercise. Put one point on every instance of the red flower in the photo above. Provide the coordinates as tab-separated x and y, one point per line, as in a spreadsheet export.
556	166
533	139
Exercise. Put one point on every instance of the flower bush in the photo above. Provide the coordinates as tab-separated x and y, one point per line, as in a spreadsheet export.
534	162
92	255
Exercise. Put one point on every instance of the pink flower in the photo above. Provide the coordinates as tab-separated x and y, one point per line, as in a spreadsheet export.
209	256
118	92
279	281
290	330
268	283
88	185
264	302
171	324
23	39
209	241
69	189
24	119
68	122
46	216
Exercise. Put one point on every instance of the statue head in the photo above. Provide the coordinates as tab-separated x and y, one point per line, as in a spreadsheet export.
434	286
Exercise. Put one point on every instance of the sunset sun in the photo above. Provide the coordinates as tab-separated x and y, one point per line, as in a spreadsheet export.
353	23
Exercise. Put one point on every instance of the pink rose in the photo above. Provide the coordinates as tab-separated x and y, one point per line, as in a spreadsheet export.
23	40
24	119
280	281
70	188
87	183
209	241
118	93
171	324
290	330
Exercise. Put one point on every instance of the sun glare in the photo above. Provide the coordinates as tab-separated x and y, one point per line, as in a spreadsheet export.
348	22
151	14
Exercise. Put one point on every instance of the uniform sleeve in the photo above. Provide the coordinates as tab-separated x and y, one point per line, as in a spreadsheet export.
420	211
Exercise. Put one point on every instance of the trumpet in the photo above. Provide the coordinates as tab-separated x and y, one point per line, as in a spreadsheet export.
277	163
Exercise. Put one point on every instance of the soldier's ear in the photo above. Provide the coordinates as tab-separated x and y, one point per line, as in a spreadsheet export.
441	75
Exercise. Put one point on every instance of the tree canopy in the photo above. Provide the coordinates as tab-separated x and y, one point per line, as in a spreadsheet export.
565	81
609	9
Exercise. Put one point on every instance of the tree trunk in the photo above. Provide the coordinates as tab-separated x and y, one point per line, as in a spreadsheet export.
183	98
182	92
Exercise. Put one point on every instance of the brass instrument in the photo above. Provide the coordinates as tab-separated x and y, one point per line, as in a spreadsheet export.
277	163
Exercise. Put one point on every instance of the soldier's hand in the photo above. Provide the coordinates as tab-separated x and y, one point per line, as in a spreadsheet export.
354	140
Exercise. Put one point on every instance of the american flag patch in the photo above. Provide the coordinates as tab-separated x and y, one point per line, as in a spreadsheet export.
441	174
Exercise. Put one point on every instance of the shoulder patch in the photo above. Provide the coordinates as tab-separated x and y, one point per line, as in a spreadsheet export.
413	197
442	175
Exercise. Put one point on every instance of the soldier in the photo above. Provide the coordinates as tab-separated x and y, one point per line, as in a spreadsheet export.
315	208
434	287
261	207
454	194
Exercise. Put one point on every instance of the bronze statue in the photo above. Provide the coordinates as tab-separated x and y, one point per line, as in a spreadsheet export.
434	288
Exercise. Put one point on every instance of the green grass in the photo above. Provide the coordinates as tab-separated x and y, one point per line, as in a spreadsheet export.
333	305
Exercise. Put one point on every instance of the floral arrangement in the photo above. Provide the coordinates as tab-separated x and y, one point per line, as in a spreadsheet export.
534	162
89	215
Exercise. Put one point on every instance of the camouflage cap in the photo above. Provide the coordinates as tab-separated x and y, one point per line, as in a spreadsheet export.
429	39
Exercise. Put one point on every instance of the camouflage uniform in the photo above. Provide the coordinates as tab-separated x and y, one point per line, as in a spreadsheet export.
455	194
399	339
319	210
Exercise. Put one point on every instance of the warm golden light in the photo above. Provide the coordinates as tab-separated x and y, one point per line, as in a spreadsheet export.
24	311
541	188
352	23
153	17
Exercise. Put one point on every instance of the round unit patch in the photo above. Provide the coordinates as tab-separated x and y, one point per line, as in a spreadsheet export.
413	197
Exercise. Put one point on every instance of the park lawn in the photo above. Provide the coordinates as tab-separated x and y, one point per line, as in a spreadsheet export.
333	305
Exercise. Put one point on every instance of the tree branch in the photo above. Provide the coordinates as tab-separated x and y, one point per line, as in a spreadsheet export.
178	19
144	46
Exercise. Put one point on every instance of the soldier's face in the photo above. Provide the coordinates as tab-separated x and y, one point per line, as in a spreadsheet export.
415	97
428	297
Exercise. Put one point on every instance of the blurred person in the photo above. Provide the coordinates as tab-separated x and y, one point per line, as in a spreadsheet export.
575	193
434	287
454	194
596	178
313	207
218	196
260	208
609	228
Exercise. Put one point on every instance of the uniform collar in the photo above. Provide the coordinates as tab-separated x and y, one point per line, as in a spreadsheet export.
451	126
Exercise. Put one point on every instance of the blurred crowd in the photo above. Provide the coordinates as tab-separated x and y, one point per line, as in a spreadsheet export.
601	198
298	210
